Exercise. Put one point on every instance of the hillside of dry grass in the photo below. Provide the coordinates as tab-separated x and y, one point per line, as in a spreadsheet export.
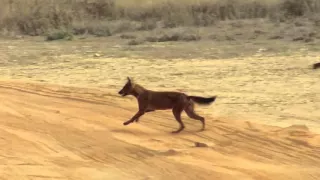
109	17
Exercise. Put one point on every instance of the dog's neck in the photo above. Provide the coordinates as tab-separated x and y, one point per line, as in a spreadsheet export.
137	90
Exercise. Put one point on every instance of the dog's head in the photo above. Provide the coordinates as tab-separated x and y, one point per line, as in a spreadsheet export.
127	88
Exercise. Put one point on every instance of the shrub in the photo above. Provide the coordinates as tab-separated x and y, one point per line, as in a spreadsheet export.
59	35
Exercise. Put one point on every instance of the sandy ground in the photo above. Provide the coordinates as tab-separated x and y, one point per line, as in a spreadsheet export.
61	116
55	132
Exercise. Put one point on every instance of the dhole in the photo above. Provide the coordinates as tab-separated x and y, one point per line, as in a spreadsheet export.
149	100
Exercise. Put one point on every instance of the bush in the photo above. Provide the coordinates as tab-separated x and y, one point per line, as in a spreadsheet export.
177	34
127	36
134	42
59	35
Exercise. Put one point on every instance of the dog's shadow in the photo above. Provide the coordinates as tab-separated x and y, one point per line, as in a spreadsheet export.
159	133
129	131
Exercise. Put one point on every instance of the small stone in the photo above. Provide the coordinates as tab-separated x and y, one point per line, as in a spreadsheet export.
170	152
97	55
199	144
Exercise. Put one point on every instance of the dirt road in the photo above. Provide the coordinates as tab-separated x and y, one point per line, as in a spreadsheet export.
54	132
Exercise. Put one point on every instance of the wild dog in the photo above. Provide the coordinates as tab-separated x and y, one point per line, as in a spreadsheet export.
316	65
149	101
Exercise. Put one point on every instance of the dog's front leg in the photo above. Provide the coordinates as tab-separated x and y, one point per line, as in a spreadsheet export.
136	116
143	106
148	110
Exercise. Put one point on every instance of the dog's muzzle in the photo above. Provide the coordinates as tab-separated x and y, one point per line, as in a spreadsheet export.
122	93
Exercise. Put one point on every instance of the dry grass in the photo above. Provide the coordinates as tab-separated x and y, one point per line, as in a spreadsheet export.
108	17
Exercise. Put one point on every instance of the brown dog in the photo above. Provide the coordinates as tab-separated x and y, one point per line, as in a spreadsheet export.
156	100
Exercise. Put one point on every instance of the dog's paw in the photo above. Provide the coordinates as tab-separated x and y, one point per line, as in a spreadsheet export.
126	123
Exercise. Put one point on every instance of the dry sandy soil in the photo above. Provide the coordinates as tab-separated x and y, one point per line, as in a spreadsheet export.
264	124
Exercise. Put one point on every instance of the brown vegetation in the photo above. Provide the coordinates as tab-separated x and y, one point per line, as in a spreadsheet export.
107	17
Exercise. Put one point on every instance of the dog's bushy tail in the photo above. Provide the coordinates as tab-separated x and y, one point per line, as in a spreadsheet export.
203	100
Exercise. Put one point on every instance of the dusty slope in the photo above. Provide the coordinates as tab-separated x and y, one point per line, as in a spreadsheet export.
277	90
53	132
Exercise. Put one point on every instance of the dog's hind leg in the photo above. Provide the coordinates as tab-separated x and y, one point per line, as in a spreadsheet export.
189	109
177	114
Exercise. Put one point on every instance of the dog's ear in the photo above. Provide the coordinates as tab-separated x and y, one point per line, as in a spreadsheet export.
129	80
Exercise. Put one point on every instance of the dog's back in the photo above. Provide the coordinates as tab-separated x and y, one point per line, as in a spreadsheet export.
163	100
